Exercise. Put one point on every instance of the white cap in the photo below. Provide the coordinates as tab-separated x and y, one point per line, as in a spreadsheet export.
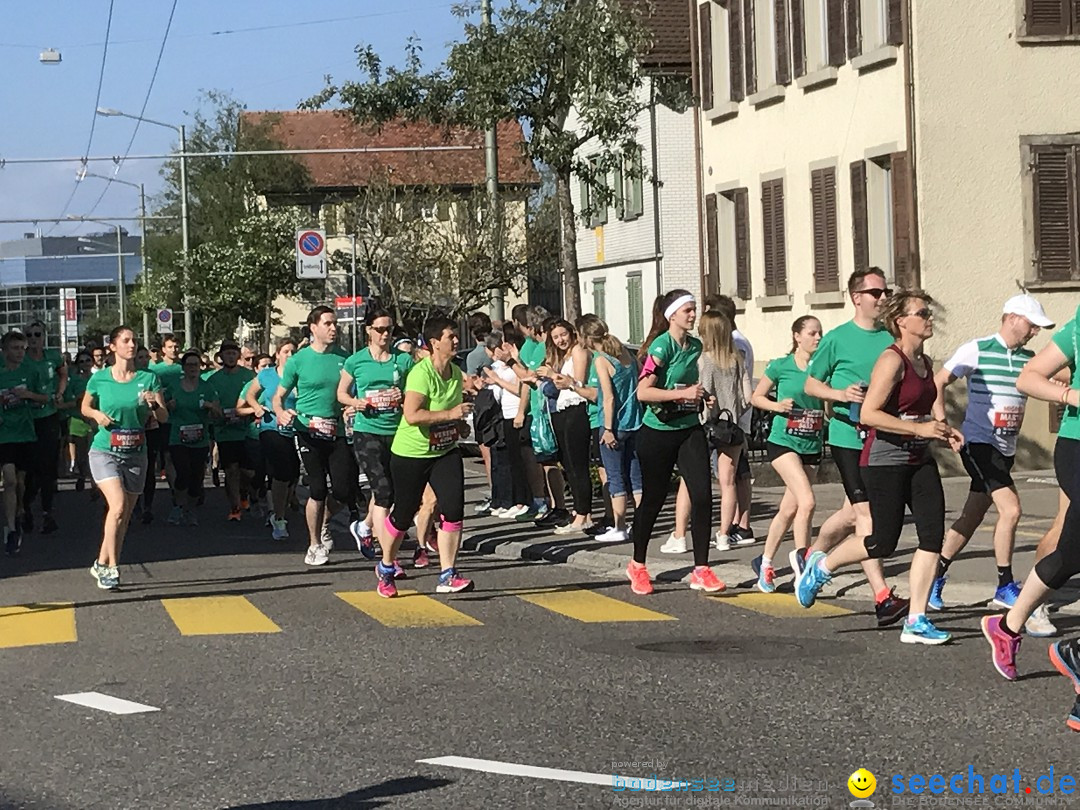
1029	308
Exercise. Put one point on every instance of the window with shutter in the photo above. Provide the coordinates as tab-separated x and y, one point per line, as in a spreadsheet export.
894	22
750	46
853	14
741	199
775	253
600	209
905	262
712	241
823	202
1055	198
618	189
798	38
706	69
599	298
634	180
782	36
860	231
834	27
736	63
1051	17
636	309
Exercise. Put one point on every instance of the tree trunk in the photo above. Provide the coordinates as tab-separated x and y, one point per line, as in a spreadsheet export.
568	246
267	323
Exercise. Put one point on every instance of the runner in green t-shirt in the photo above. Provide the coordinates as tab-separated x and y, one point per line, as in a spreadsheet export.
671	434
794	445
79	430
840	374
425	452
372	383
20	390
192	402
169	370
314	373
41	477
231	430
120	399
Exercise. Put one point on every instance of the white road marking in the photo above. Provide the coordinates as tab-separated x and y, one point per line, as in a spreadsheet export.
555	774
107	703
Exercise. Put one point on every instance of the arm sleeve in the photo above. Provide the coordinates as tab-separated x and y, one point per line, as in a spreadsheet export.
772	371
964	361
824	359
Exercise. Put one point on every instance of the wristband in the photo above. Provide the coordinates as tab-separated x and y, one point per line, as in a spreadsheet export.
609	430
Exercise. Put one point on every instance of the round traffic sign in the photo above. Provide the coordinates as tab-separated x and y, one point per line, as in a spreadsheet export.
164	315
311	243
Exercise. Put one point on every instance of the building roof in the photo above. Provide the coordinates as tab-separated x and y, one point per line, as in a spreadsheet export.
669	22
333	129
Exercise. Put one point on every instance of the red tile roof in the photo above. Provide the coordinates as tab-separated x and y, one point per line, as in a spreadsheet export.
326	129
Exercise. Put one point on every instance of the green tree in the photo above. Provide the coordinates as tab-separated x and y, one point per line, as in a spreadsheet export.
538	62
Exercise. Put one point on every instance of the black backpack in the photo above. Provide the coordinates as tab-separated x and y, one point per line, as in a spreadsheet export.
487	418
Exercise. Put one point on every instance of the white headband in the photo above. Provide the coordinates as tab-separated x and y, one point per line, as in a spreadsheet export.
678	304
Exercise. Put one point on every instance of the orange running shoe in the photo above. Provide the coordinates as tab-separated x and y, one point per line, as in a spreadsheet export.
703	579
235	515
640	581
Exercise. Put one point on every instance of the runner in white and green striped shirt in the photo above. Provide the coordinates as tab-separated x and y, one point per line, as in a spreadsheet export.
995	412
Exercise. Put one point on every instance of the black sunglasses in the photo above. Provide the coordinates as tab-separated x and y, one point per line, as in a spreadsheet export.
877	292
923	313
35	334
382	330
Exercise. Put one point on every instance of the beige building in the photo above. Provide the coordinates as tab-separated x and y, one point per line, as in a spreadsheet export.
929	139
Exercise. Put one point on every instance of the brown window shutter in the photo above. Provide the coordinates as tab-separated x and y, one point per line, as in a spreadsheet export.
832	240
1054	169
860	232
834	25
740	197
853	14
750	46
705	50
736	64
767	227
783	42
798	38
823	201
1074	27
712	237
1049	17
772	209
904	260
894	24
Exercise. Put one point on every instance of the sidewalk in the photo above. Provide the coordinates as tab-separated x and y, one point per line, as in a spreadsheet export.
972	577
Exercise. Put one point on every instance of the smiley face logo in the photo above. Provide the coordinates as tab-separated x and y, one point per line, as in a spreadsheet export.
862	784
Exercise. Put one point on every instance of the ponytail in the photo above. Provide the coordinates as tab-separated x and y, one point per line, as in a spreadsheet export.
659	319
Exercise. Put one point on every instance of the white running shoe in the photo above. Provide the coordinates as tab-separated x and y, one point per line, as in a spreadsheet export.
675	545
317	555
500	512
612	535
514	511
280	529
723	542
1039	624
326	539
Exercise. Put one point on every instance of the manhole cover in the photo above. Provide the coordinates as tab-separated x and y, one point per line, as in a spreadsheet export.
731	647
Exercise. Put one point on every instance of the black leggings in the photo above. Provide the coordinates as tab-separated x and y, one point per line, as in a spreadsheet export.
1063	563
41	477
574	438
890	489
445	473
189	463
157	443
659	451
333	458
279	455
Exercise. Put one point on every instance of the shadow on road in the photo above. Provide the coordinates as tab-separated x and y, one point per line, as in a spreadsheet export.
363	799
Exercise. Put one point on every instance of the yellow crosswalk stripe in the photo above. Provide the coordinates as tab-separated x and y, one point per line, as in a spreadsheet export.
407	609
589	606
217	616
37	623
780	605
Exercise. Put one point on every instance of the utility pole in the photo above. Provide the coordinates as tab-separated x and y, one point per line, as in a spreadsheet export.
491	155
189	318
145	266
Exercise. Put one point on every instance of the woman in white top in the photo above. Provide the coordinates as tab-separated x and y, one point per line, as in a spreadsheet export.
509	487
568	362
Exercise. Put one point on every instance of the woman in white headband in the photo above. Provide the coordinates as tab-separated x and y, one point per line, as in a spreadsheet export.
671	434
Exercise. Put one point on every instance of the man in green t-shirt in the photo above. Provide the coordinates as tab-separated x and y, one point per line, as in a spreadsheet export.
840	373
169	370
230	432
41	477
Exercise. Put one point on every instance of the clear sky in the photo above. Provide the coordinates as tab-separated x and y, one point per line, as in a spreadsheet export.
48	110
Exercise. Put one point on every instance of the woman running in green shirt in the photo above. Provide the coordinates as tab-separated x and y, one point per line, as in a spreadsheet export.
192	401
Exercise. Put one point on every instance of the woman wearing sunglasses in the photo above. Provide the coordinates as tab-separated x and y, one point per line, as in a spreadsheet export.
904	414
372	383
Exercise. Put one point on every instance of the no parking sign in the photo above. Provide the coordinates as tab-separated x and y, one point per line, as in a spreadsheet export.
310	253
164	321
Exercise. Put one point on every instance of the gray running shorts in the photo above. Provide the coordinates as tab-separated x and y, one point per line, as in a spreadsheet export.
131	470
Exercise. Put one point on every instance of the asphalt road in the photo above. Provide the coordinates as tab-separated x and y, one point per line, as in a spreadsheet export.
283	694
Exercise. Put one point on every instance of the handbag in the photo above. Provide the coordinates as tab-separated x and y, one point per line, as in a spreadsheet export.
724	431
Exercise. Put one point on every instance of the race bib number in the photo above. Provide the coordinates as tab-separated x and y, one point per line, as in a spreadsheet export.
126	440
686	405
442	437
320	428
191	434
232	417
9	397
387	400
805	423
1007	421
915	444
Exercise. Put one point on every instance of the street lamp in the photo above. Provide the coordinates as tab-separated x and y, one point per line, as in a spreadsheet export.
119	262
189	319
82	175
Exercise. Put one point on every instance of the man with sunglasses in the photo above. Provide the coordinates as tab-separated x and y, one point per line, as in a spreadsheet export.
839	373
995	412
41	477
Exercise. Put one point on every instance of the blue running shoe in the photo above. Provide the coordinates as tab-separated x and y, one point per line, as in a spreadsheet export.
756	565
922	631
1065	656
935	603
365	543
1074	716
1005	596
812	580
766	581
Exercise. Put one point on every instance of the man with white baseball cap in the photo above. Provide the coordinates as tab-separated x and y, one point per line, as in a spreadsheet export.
995	412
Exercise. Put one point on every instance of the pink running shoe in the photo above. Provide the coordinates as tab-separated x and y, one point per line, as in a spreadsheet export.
703	579
420	558
452	582
1003	645
386	587
640	581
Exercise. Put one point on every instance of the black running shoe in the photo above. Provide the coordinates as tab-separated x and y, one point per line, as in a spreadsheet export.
13	545
556	517
48	524
891	610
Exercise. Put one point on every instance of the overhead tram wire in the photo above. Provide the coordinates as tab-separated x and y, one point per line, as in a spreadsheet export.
97	101
142	111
